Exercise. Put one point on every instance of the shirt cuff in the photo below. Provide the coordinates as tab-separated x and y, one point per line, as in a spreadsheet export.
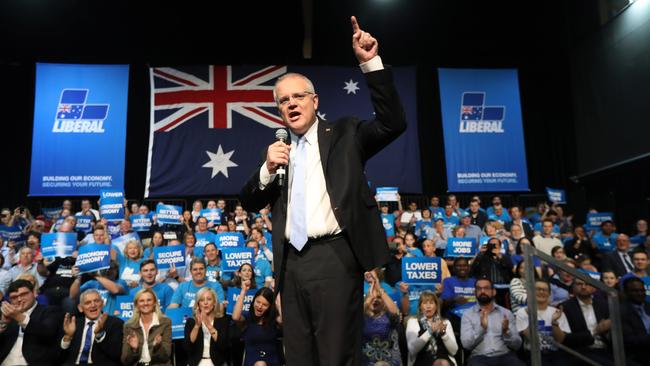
265	176
100	336
64	344
374	64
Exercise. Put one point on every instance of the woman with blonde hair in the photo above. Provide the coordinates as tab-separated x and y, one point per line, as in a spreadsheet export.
206	334
148	334
429	337
130	263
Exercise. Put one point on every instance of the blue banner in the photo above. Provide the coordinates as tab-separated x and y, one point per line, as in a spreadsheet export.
169	214
93	257
387	194
120	241
111	205
166	256
421	270
596	218
461	247
209	123
58	245
79	120
140	222
204	238
234	258
213	215
124	307
51	213
84	223
556	195
233	295
388	220
178	317
229	240
484	138
646	283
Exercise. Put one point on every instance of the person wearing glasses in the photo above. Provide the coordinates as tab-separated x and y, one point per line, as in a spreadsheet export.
326	226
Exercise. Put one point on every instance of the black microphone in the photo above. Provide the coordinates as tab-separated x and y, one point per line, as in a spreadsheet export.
281	135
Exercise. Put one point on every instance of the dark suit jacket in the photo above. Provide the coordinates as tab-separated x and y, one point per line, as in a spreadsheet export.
580	335
106	352
636	337
345	146
39	339
613	262
218	349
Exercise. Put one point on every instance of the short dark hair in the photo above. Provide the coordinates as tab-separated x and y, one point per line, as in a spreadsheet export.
14	286
628	281
606	222
148	261
484	279
460	259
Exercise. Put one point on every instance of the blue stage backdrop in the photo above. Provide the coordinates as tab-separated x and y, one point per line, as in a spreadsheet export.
79	129
210	125
482	125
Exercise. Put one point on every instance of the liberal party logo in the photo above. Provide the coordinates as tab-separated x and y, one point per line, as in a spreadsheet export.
74	115
476	117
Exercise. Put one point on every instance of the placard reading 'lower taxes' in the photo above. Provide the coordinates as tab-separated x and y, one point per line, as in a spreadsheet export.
234	258
168	255
461	247
93	257
421	270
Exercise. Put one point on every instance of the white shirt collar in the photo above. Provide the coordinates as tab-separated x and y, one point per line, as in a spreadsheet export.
30	310
310	135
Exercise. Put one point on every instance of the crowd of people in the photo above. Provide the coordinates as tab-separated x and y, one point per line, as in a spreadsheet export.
476	315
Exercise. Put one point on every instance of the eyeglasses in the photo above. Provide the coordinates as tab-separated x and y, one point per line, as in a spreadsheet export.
299	97
14	297
541	289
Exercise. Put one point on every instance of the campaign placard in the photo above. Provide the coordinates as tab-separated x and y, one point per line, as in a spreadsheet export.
232	296
111	205
229	240
556	195
140	223
461	247
596	218
646	283
388	221
421	270
204	238
84	223
178	317
124	307
213	215
168	255
169	214
120	241
51	213
234	258
58	245
93	257
387	194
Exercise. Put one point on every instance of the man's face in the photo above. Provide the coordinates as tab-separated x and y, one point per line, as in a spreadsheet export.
85	205
91	305
221	204
254	246
22	299
125	226
461	268
239	211
67	205
515	213
435	201
26	256
466	220
473	206
484	292
5	216
297	106
198	273
622	243
516	231
211	205
202	223
635	291
449	209
148	272
582	289
144	210
640	261
542	292
496	201
547	227
210	253
642	226
413	206
33	242
607	228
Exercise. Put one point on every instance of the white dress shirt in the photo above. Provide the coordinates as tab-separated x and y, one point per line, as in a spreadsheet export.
93	339
15	356
592	322
145	356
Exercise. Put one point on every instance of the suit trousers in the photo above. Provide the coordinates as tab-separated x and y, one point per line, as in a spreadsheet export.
322	304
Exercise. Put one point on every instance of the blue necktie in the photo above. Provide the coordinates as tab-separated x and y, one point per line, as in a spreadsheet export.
88	341
298	232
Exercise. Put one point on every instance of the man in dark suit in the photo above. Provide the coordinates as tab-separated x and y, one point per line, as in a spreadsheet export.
635	318
326	226
93	337
27	330
619	261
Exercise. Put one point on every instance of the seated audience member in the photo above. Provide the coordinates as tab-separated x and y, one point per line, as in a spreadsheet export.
610	280
147	338
477	216
409	217
213	271
148	274
525	227
580	245
40	298
635	318
105	281
552	324
589	321
606	238
558	253
91	337
263	272
561	284
488	330
430	338
260	328
518	294
451	216
381	322
641	233
491	263
393	272
185	294
28	330
546	240
619	260
498	213
157	240
25	264
206	333
640	262
471	230
426	221
412	250
130	263
458	289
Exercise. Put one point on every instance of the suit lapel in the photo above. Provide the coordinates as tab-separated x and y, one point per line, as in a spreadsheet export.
324	143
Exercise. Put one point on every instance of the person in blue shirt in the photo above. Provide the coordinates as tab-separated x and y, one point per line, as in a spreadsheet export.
213	269
185	294
458	289
435	208
426	221
413	251
104	281
499	214
157	240
262	267
388	221
605	240
130	263
148	273
450	216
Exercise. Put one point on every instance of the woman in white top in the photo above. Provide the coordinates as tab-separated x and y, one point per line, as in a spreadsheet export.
430	338
206	334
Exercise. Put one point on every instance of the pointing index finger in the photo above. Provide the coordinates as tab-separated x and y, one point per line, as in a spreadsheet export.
355	25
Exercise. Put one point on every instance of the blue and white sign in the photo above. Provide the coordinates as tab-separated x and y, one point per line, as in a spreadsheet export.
84	223
93	257
646	283
234	258
461	247
595	219
79	120
111	205
388	221
124	307
169	214
166	256
213	215
178	317
233	295
556	195
482	125
204	238
461	309
58	245
229	240
51	213
140	223
120	242
421	270
387	194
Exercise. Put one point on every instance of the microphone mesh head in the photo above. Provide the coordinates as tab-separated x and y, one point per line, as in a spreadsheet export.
281	134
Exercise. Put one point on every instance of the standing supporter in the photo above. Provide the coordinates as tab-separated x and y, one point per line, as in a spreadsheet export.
430	337
619	260
393	269
546	240
426	221
188	222
148	274
491	263
157	240
206	333
478	217
243	277
185	294
105	282
498	213
213	272
641	233
580	244
450	216
197	206
87	210
241	220
435	206
147	336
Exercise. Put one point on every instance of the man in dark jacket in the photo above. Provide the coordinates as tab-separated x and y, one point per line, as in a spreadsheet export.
635	318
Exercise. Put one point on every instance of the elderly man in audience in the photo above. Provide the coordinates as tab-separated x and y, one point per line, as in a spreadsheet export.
619	260
27	330
92	337
25	264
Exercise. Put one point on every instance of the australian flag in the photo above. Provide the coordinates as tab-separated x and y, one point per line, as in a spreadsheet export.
210	125
472	106
71	103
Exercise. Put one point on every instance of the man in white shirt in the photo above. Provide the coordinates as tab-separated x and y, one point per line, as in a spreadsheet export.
87	210
546	241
